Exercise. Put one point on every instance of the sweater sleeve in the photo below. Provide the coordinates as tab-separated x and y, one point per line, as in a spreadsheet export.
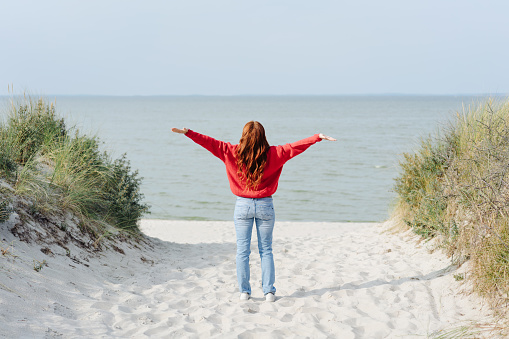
288	151
216	147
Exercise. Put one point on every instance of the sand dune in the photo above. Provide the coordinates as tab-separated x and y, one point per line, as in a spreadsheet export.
333	280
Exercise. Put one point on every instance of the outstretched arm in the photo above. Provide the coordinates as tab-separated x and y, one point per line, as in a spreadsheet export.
216	147
288	151
325	137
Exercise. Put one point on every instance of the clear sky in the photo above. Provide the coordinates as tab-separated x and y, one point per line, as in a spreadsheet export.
231	47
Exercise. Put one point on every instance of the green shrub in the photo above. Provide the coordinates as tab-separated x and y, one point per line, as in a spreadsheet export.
124	196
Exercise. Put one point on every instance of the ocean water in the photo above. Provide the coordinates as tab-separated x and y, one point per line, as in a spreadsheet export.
347	180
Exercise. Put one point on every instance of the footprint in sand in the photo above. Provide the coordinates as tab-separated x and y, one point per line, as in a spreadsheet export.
286	318
124	309
104	306
286	302
252	308
325	317
157	332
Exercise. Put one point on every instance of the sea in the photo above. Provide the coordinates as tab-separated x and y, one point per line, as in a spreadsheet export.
350	180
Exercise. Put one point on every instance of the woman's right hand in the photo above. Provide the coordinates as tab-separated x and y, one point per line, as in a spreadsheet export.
180	131
325	137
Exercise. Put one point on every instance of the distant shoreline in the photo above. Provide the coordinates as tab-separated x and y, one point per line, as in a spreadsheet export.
480	95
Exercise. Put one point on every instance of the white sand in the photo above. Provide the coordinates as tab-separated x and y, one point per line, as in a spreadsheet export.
333	280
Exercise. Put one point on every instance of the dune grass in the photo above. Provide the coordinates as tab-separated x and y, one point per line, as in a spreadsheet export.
4	210
456	187
56	169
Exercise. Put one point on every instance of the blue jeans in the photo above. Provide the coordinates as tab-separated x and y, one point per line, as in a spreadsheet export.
262	212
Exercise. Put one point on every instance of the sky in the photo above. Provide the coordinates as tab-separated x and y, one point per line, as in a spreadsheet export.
237	47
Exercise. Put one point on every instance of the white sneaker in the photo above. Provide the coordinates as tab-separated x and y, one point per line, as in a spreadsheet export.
244	296
270	297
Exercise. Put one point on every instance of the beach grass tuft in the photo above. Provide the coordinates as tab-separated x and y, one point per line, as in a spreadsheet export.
39	265
5	210
57	169
468	330
455	187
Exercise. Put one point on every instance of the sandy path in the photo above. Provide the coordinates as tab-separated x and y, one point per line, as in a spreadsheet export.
332	279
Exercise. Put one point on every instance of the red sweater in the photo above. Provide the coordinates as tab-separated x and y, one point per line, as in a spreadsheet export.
277	156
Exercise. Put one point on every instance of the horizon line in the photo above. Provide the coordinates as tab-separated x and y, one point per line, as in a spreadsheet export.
261	95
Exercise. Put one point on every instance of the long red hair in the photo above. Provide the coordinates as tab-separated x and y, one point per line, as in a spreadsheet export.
252	154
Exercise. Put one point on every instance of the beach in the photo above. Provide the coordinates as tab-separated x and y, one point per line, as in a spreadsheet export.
119	121
344	280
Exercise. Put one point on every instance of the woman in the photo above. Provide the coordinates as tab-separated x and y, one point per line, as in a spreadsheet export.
253	169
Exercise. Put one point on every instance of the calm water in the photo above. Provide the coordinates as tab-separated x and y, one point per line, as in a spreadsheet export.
347	180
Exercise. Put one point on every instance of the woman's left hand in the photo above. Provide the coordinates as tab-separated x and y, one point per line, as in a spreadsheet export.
178	130
325	137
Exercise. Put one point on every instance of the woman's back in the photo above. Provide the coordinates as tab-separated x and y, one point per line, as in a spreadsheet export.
277	156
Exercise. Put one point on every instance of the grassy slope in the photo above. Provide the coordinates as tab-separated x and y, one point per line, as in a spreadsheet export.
456	187
48	168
